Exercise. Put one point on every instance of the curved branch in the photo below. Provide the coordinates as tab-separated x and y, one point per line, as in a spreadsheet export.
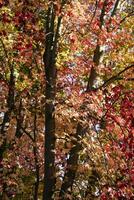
115	77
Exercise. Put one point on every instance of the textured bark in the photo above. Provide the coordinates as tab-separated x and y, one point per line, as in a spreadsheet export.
50	71
52	33
72	164
93	73
97	54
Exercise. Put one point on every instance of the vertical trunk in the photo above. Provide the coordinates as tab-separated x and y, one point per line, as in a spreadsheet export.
72	161
97	53
115	8
19	119
6	120
52	33
93	73
35	152
50	72
72	164
36	188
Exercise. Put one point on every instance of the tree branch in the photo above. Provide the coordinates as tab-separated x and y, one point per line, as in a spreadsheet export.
115	77
115	8
27	133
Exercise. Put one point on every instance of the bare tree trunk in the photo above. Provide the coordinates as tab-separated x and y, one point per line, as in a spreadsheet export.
35	152
50	71
52	33
36	188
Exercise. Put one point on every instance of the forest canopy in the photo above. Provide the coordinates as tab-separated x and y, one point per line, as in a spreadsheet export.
66	99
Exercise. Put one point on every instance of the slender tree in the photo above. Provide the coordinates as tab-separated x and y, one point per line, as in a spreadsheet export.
52	28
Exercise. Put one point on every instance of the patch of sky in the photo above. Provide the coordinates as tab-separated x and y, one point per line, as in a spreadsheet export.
78	54
2	114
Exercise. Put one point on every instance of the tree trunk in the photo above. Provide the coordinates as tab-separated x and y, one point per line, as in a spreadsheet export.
72	164
6	120
35	152
50	72
52	33
36	188
72	161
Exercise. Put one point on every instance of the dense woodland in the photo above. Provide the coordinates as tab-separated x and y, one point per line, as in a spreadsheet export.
66	99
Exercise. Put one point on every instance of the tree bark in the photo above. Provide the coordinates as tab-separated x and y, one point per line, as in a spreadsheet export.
35	152
37	175
72	164
50	54
50	91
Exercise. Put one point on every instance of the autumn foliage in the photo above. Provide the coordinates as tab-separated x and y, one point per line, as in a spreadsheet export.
66	100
